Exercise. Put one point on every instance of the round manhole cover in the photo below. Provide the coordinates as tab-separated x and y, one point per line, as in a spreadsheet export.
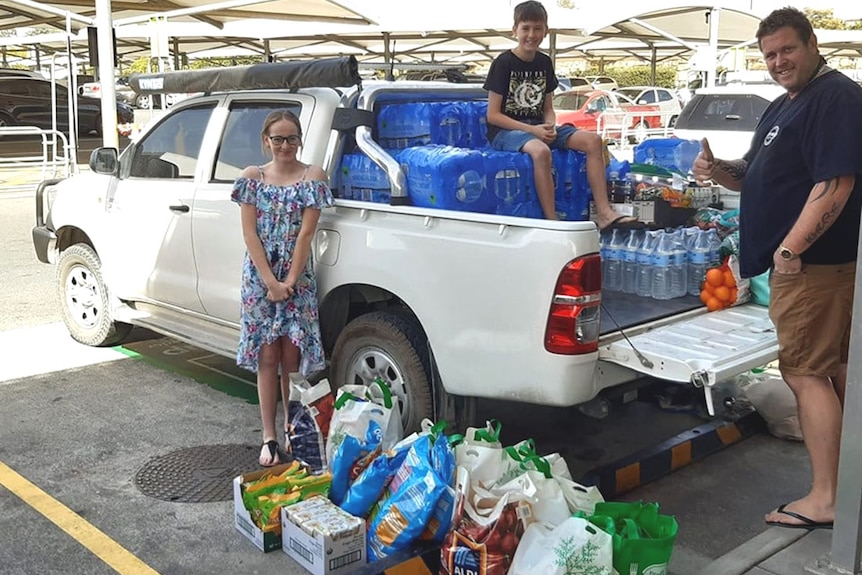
196	474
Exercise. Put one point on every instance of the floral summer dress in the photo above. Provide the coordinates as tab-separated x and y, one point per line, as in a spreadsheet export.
279	218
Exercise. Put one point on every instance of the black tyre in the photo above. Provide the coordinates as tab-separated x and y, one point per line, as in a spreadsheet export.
85	301
142	101
394	348
672	122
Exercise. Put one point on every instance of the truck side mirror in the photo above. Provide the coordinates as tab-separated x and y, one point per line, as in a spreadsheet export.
105	161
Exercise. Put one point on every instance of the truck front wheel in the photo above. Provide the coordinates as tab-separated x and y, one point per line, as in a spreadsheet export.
85	301
394	348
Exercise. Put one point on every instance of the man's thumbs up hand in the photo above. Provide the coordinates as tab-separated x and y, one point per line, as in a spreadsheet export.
704	164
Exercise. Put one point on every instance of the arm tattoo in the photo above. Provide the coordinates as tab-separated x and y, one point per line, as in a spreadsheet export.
826	220
827	187
735	169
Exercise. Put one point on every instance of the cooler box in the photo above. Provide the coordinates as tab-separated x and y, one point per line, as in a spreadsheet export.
361	179
447	178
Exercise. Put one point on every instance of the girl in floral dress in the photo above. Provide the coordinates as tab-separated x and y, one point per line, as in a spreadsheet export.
280	204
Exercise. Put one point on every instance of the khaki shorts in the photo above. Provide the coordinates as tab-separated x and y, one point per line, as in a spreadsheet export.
811	311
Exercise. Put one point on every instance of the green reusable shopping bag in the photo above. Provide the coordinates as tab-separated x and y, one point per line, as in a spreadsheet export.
642	538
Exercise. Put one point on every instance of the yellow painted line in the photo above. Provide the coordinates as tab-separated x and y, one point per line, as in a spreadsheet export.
102	546
415	566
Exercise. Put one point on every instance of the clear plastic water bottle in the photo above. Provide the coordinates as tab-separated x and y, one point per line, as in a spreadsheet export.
698	262
604	249
645	263
612	280
470	187
677	269
630	261
661	267
714	243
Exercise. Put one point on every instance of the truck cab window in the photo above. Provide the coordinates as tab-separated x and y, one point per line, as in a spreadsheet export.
241	144
170	150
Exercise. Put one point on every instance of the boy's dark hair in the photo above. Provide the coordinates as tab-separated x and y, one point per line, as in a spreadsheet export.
782	18
530	11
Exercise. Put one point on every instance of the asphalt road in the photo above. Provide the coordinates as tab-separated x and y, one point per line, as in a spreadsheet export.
80	423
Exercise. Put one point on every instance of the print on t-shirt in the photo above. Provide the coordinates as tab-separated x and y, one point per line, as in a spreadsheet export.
526	93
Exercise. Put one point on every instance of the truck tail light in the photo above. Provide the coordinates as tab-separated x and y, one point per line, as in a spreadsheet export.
573	321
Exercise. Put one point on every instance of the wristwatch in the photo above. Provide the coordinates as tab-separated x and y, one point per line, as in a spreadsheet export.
786	253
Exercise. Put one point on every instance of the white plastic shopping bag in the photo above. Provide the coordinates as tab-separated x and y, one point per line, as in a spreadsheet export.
481	453
574	547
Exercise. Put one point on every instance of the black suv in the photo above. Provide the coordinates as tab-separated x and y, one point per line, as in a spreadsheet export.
27	102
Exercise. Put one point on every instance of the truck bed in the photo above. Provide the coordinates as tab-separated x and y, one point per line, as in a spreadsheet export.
623	310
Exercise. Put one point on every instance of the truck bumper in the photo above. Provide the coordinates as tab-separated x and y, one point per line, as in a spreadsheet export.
45	243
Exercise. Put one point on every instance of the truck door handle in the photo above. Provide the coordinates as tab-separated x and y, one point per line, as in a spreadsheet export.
182	208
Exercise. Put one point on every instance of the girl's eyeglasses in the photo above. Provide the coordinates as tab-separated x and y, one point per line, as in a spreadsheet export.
293	139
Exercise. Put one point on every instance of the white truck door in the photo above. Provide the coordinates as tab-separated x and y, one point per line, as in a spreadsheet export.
217	240
149	213
702	349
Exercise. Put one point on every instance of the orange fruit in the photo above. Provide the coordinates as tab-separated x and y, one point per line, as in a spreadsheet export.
714	304
722	293
709	288
715	277
729	280
705	295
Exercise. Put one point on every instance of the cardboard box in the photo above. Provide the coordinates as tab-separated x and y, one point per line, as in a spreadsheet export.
322	537
268	540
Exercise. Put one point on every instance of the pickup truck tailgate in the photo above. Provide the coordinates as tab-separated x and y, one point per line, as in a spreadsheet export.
703	350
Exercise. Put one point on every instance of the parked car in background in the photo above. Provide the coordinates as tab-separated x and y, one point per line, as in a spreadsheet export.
726	115
122	90
608	113
666	99
27	102
602	82
577	82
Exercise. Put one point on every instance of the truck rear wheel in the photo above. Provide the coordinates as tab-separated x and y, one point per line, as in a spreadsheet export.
85	301
394	348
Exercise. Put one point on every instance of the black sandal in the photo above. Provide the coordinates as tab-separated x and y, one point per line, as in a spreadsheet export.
272	446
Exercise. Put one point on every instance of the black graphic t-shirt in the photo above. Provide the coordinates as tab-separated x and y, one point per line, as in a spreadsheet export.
523	86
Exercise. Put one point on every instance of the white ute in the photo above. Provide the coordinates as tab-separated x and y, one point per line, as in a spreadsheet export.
447	306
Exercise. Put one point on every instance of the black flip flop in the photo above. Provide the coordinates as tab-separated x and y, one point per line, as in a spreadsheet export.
272	446
807	522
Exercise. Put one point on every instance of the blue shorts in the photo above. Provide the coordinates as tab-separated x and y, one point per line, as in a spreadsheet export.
514	140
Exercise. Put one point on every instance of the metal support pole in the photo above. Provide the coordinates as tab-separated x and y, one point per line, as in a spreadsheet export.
38	52
176	50
3	52
107	82
846	547
714	16
267	52
552	50
652	64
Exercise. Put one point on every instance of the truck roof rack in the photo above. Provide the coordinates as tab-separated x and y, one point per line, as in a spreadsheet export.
339	72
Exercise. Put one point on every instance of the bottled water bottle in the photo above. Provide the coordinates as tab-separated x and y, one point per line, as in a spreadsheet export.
677	268
714	243
604	254
630	261
470	187
613	279
661	264
645	263
698	258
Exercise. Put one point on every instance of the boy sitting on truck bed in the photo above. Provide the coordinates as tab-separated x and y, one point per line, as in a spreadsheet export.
521	116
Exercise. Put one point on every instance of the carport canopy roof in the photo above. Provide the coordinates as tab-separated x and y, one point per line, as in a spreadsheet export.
439	31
